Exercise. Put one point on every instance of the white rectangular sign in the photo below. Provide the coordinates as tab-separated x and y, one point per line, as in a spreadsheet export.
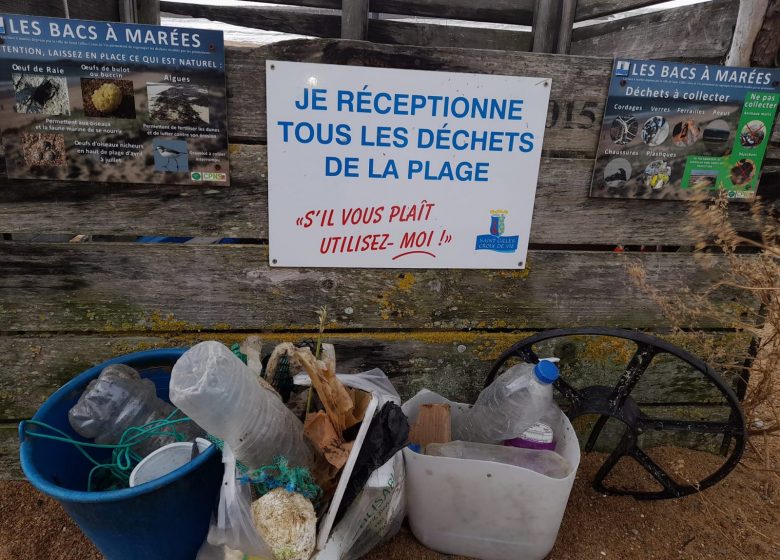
386	168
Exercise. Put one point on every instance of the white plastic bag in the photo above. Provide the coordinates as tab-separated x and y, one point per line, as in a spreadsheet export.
377	512
374	517
233	525
372	381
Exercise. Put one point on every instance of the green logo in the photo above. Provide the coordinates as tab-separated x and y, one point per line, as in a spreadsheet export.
196	176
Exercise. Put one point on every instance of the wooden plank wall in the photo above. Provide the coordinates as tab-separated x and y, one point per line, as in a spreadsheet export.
667	34
64	307
78	9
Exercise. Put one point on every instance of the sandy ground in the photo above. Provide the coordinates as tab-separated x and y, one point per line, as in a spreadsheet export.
736	519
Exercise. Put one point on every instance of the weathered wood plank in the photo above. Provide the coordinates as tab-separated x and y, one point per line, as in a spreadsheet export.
10	469
326	24
313	22
668	34
547	18
452	363
442	35
590	9
566	27
130	287
242	209
79	9
498	11
354	19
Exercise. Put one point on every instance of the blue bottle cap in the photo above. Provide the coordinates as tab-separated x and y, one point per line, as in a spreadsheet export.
546	372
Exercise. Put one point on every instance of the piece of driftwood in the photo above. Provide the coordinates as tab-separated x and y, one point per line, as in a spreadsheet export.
332	393
749	20
433	425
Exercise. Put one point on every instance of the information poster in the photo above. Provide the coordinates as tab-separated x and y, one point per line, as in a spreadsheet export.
672	129
102	101
387	168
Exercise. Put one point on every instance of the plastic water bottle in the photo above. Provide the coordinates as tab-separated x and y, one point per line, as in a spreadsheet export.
120	399
214	388
514	402
543	461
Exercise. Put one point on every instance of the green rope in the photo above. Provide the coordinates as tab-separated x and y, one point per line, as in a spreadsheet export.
123	458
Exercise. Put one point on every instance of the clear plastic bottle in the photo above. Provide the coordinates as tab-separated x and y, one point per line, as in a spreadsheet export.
514	402
543	461
120	399
214	388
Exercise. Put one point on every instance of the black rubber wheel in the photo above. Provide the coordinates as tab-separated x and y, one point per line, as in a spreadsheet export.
616	402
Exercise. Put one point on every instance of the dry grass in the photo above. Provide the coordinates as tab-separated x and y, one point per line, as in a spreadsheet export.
749	283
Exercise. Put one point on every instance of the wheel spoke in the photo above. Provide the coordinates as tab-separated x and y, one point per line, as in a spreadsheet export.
595	433
655	471
636	367
695	426
568	391
622	449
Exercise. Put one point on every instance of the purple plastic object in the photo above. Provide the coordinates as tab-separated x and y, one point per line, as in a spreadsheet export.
538	436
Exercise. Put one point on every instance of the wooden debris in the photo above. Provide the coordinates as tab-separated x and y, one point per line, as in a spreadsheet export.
320	431
332	392
433	425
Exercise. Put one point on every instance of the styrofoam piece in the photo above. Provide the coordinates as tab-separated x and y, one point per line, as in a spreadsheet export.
164	460
327	522
486	510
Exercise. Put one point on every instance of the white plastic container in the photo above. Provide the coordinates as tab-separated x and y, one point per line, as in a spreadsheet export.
165	460
543	461
486	510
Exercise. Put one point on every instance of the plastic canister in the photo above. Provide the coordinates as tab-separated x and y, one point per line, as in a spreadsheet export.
487	510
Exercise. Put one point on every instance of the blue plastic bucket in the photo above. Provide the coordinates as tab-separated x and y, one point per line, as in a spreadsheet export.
167	518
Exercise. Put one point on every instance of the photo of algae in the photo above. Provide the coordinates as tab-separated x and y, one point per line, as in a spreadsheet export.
184	104
47	95
108	98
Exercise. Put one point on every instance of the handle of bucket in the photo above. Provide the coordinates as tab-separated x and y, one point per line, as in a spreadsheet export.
22	430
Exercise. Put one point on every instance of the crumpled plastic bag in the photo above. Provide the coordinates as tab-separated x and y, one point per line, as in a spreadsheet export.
233	526
374	517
